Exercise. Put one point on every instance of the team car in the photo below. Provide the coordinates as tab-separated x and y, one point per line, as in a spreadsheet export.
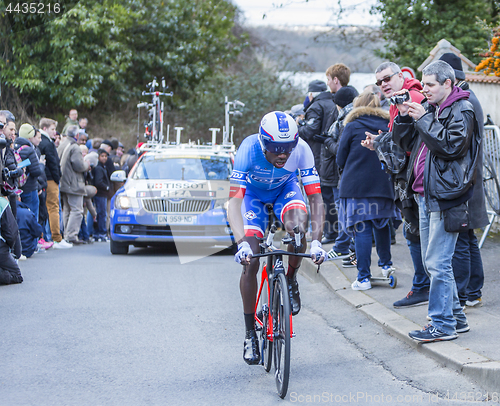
173	194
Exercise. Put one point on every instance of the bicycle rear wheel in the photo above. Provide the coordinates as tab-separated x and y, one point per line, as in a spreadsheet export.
281	331
266	344
491	185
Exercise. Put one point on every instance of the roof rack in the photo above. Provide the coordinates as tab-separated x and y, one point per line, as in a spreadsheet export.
158	147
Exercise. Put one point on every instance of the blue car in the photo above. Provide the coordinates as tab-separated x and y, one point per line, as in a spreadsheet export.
174	194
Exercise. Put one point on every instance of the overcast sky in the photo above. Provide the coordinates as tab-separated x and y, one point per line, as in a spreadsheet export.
311	12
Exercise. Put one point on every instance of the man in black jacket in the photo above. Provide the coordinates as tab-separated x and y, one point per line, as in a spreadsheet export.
53	172
443	136
9	270
467	262
317	118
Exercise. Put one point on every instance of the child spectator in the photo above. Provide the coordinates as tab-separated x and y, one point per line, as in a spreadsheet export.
9	270
102	183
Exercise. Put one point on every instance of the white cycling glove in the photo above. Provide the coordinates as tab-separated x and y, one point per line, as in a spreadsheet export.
317	251
244	251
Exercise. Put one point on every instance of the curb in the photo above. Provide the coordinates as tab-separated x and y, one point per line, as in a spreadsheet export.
477	367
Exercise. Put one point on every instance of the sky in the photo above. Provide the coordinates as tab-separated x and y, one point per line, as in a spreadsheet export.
311	12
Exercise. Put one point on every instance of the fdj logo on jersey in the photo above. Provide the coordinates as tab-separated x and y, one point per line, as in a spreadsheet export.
250	215
289	195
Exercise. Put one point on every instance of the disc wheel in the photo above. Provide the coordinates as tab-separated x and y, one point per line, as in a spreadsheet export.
491	185
281	334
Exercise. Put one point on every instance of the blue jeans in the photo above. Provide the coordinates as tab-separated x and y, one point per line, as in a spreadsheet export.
331	224
32	201
421	281
343	242
100	207
363	232
468	267
438	247
83	234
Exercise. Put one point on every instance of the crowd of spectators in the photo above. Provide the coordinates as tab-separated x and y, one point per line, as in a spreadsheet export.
62	196
416	161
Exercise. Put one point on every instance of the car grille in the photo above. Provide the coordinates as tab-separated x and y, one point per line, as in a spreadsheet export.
167	206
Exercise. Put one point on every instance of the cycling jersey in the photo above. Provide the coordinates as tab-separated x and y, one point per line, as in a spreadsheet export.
253	171
258	182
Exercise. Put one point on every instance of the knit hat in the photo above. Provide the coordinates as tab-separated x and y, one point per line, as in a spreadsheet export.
455	62
27	131
108	143
316	86
344	96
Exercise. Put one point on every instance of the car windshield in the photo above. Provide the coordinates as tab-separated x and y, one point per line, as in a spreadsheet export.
183	168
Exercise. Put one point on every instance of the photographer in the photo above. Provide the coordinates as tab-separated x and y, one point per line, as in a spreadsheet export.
8	159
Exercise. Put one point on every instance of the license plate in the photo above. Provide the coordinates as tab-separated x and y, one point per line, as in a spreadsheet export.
175	193
175	219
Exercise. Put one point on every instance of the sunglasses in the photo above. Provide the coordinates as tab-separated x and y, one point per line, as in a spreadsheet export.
385	80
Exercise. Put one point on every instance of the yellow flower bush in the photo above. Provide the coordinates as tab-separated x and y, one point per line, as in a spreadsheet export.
491	61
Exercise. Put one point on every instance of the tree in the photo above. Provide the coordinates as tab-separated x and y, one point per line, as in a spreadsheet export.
413	27
100	52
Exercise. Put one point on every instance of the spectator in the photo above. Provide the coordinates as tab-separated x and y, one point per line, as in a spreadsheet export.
317	112
442	135
70	121
9	159
53	172
366	192
82	123
102	183
57	139
391	80
9	241
384	102
72	185
30	230
467	262
82	139
25	144
343	99
337	76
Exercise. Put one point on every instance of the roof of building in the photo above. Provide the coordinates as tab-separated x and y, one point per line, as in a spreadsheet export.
481	78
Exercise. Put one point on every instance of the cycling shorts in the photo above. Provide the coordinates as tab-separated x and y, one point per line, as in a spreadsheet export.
254	212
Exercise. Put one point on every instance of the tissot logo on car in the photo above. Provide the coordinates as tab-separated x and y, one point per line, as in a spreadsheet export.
177	185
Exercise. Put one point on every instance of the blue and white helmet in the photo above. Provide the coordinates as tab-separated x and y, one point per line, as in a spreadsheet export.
278	133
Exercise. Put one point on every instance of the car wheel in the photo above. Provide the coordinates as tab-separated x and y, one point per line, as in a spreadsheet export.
118	248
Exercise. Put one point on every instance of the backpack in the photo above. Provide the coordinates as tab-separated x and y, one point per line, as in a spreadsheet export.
21	180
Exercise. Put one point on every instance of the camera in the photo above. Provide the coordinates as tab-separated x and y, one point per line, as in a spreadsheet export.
400	98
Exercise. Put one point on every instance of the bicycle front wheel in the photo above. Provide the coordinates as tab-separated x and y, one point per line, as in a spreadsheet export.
266	344
281	331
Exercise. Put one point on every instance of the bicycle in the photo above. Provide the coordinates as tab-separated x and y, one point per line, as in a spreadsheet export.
273	314
154	128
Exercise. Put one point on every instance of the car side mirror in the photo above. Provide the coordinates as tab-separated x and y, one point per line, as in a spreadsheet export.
118	176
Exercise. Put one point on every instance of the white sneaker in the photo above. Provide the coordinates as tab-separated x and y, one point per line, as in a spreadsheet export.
387	270
22	258
62	245
365	284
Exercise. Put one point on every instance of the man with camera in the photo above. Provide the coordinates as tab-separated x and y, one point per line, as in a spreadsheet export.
443	136
390	79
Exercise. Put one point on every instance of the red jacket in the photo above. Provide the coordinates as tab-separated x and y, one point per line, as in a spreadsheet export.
414	87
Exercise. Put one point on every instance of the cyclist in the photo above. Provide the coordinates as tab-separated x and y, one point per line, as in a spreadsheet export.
265	173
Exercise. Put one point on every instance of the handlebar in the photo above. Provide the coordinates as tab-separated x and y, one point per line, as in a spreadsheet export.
281	252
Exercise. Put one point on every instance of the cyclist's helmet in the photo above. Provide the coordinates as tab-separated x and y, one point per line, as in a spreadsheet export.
278	133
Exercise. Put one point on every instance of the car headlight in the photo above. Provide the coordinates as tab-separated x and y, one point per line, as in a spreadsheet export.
125	202
221	203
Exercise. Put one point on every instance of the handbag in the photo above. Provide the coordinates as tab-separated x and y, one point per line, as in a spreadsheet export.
457	218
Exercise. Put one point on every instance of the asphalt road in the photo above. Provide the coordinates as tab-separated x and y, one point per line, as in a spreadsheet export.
89	328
